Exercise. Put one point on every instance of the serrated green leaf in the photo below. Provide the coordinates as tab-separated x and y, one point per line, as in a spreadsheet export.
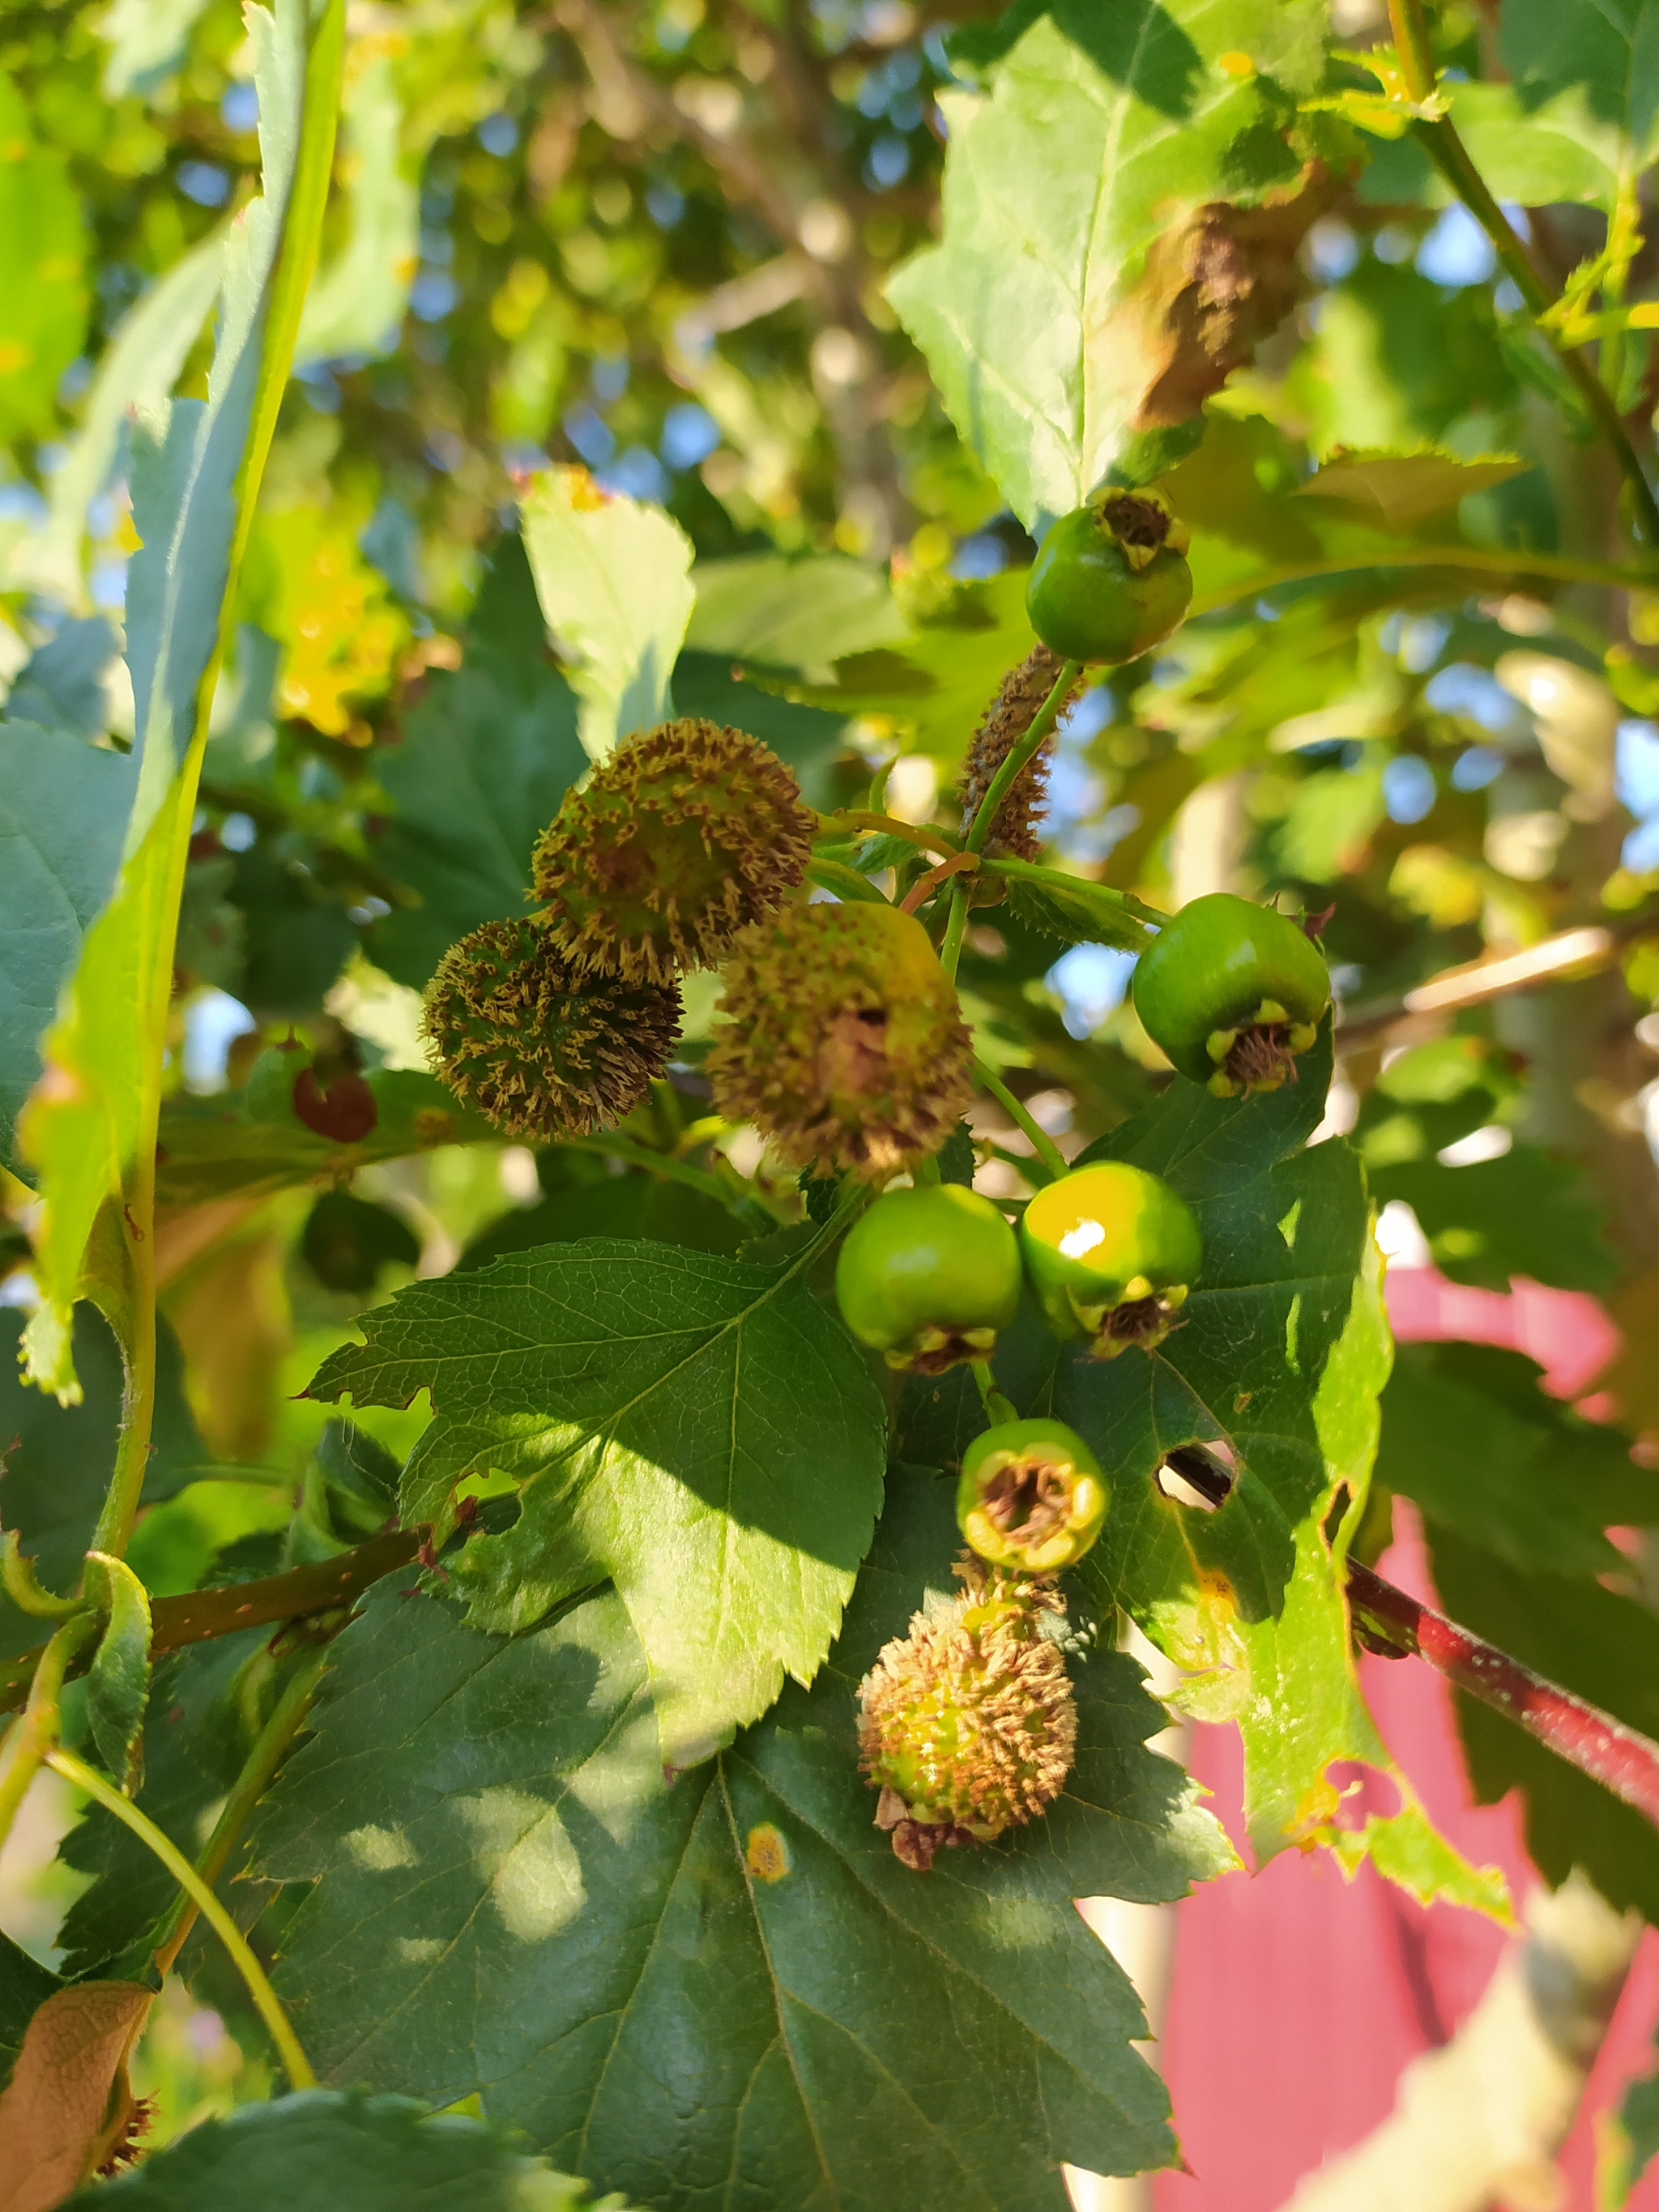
1590	1640
613	578
1282	1349
1070	908
58	1460
354	2153
81	1127
117	1683
510	1902
486	756
1059	315
1398	491
699	1429
64	810
1468	1436
1590	70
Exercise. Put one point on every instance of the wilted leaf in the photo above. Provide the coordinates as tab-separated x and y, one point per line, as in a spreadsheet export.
698	1429
354	2153
613	579
68	2101
1073	308
510	1902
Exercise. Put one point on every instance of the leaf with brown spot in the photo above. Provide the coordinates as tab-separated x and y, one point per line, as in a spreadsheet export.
69	2101
1077	310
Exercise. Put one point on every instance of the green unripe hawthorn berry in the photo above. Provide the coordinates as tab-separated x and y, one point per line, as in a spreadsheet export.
1110	580
1032	1497
967	1726
844	1043
685	836
543	1052
1110	1252
928	1277
1233	992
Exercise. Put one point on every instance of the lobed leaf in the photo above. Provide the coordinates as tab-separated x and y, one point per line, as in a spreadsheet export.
696	1428
728	1990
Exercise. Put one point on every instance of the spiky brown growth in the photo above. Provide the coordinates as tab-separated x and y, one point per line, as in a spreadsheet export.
1009	716
967	1726
845	1045
687	836
543	1052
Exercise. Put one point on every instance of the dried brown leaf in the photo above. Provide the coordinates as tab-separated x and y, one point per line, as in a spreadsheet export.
68	2102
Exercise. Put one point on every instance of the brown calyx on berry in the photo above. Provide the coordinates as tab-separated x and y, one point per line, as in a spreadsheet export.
685	836
539	1050
1009	716
843	1041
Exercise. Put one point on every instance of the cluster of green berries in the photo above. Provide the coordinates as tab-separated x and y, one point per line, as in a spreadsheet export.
556	1024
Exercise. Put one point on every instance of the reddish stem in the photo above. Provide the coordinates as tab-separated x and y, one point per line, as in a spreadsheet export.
1616	1756
925	886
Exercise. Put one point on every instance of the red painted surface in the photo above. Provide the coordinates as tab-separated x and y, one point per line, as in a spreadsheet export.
1298	1997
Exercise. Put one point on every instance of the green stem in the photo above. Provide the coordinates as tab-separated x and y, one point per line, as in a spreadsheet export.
1044	1145
36	1734
1452	158
24	1587
998	1409
845	883
259	1772
120	1506
1019	757
294	2062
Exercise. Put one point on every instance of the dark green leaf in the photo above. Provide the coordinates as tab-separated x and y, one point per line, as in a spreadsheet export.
1522	1213
1639	2115
1468	1436
1072	908
698	1429
25	1985
347	1240
1281	1350
484	759
355	2154
612	1206
712	1990
56	1475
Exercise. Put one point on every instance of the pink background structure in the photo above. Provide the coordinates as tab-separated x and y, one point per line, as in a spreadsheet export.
1298	1997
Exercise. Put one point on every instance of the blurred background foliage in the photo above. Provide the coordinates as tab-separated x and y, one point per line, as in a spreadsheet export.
653	242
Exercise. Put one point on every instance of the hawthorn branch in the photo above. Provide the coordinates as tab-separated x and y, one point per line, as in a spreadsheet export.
1618	1757
199	1616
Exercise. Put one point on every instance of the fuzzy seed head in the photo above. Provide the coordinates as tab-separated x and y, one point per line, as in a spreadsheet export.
543	1052
967	1726
845	1045
1007	719
687	836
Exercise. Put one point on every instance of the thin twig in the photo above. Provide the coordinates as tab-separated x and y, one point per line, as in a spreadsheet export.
1618	1757
35	1735
1577	951
295	2064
